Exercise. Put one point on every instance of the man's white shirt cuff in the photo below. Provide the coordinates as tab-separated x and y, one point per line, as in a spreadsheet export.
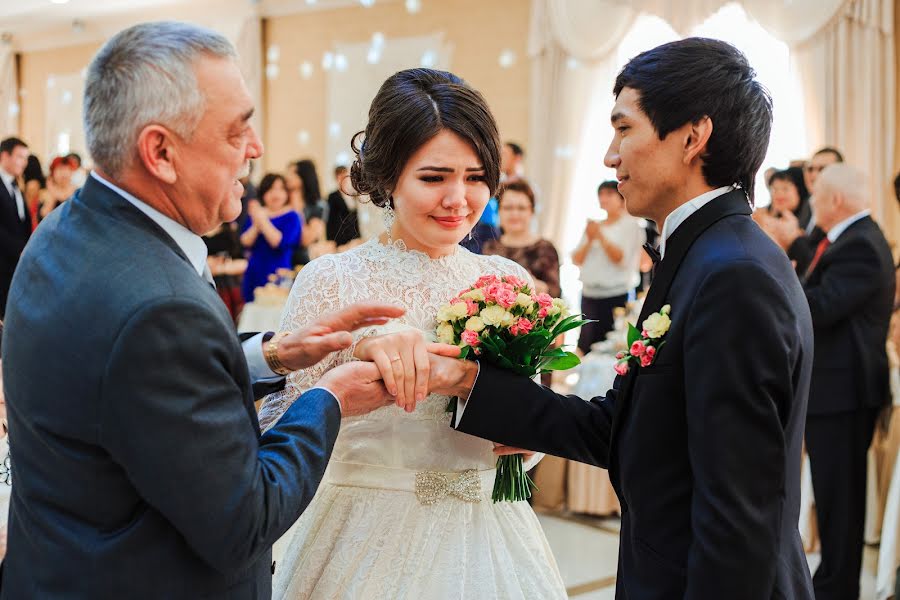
256	362
461	404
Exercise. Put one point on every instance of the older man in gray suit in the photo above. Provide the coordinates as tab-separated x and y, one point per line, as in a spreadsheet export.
140	469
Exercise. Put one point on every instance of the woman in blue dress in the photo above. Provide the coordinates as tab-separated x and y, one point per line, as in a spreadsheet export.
271	234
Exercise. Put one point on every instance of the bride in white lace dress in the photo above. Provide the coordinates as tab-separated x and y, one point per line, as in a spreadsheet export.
404	510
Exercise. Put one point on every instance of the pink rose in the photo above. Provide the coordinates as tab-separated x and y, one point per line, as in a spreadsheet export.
514	329
650	351
638	348
525	325
486	280
472	307
645	334
621	368
514	281
542	314
470	338
543	300
620	355
491	291
506	297
646	360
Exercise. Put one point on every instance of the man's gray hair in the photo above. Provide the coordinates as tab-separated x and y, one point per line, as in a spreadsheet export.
145	75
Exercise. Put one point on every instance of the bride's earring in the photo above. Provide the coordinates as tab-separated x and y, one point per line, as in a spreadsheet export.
388	216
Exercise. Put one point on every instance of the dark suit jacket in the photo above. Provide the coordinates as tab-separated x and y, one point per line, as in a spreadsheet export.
851	297
14	234
140	470
703	446
343	223
803	249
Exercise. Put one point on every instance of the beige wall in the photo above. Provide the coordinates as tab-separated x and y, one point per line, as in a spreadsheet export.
35	69
479	31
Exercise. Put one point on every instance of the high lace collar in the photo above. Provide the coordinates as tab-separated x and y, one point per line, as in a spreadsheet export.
398	249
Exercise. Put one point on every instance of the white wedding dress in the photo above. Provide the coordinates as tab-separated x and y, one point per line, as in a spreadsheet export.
368	533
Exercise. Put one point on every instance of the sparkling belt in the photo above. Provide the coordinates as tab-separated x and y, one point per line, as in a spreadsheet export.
429	487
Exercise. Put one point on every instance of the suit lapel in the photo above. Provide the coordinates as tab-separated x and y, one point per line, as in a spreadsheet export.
677	246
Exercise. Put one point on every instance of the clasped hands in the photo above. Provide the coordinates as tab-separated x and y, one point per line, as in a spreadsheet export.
399	368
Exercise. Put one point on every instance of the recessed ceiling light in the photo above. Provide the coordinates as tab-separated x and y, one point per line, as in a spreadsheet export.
59	1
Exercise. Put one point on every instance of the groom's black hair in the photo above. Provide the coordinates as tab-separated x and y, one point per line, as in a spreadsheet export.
684	81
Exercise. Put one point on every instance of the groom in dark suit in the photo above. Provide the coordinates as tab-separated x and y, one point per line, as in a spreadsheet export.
140	468
703	445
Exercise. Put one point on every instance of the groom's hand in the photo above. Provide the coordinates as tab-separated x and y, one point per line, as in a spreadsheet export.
331	333
451	376
357	387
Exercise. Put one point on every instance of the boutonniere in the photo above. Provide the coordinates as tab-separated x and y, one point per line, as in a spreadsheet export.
644	344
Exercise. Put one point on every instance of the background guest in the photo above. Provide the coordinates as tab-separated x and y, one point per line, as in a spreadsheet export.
250	193
60	186
225	258
35	184
15	220
343	220
272	234
789	194
79	175
609	256
303	189
512	162
849	284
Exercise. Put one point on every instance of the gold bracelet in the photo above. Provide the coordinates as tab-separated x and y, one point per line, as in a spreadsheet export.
270	353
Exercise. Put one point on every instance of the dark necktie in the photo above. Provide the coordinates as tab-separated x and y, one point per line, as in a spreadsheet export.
653	253
16	197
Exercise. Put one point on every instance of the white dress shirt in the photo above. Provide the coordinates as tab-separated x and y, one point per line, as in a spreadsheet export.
681	214
835	232
15	192
195	249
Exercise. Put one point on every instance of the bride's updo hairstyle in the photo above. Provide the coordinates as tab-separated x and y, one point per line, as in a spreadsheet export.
412	107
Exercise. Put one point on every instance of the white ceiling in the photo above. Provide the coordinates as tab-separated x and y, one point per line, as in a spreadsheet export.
18	14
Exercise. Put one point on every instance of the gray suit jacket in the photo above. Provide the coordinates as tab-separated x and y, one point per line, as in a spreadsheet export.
140	470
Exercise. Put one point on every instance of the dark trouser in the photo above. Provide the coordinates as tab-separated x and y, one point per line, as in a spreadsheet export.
600	310
838	447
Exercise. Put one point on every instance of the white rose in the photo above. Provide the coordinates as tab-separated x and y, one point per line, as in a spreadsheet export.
477	295
657	325
508	319
443	313
459	310
559	306
524	300
666	309
475	324
492	315
445	333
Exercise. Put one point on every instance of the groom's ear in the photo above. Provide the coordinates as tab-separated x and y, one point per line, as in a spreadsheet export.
157	152
698	135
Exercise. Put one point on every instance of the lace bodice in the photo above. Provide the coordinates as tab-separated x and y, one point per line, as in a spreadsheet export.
374	271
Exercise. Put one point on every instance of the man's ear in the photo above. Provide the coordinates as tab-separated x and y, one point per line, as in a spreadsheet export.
697	139
156	149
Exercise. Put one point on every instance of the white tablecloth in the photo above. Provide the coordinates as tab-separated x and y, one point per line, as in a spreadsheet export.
260	317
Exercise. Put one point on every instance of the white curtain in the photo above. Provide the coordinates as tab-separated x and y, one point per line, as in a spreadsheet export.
9	91
844	54
848	75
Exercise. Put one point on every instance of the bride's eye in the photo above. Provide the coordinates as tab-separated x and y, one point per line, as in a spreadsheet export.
477	178
432	178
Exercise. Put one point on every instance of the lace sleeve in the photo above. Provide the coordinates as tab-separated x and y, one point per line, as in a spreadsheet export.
316	291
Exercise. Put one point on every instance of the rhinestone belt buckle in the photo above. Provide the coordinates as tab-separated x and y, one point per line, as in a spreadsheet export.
432	486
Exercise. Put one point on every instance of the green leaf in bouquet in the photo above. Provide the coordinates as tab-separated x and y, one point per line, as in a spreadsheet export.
504	362
554	353
570	322
464	353
633	335
562	363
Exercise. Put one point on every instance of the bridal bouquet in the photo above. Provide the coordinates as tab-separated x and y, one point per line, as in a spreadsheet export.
502	321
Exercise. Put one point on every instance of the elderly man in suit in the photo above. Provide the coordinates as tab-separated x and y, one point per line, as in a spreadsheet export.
850	287
15	220
702	442
140	468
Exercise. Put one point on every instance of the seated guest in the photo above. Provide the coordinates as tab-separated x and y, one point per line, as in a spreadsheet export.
60	186
225	259
609	255
272	234
520	244
849	284
343	222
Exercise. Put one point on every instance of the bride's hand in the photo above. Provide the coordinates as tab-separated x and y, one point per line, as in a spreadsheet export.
402	359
